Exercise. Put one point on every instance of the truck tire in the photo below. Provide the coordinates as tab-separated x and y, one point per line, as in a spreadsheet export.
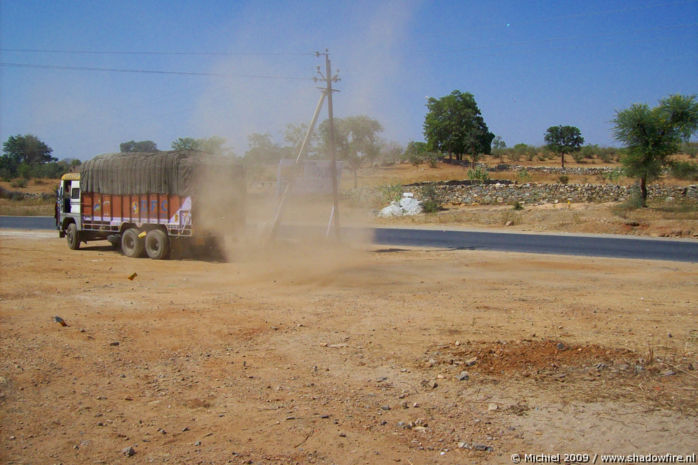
73	236
132	245
157	244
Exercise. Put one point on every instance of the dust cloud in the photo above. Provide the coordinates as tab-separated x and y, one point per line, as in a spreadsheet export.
240	225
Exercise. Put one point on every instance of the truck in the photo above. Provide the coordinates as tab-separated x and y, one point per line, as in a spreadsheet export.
149	203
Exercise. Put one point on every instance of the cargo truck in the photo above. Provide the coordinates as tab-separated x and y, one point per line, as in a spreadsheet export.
146	203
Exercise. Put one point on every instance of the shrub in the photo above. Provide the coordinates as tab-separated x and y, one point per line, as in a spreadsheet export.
510	218
391	192
431	199
684	170
513	155
20	183
564	179
478	174
517	205
523	176
613	175
690	149
417	159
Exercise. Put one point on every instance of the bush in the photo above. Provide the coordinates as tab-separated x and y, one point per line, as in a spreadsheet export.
523	176
20	183
684	170
423	157
690	149
478	174
517	205
613	175
588	151
391	192
564	179
431	199
578	156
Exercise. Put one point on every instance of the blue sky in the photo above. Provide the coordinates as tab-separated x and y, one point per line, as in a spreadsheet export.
530	65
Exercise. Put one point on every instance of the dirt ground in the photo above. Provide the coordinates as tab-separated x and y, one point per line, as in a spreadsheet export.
347	355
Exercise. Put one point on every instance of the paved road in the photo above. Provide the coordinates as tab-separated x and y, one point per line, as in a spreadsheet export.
596	246
27	222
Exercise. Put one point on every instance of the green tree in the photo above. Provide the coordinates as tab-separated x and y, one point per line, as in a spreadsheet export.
294	135
652	135
356	140
26	150
563	139
454	125
498	147
184	144
213	145
264	150
142	146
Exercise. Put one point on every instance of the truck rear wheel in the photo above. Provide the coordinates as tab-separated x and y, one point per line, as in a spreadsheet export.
132	245
157	245
73	236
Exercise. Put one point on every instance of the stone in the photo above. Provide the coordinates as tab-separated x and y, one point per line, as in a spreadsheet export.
492	406
463	376
483	447
128	451
470	362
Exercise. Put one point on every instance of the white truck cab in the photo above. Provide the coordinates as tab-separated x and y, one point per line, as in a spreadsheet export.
68	202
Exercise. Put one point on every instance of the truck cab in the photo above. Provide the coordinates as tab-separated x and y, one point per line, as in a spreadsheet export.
68	203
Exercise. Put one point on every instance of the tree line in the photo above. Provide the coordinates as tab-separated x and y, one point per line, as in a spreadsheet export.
453	127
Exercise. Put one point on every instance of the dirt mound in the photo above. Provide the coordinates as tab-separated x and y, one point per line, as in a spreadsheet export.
529	357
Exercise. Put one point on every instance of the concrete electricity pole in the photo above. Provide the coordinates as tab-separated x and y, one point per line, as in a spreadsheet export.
329	79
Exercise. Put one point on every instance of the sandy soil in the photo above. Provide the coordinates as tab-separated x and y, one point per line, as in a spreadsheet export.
346	355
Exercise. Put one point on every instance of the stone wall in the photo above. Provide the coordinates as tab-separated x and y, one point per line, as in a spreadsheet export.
505	192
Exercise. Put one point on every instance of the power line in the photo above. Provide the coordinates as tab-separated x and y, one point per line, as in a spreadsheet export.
149	71
152	52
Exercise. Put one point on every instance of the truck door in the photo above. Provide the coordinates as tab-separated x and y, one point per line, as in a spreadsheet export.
75	197
65	197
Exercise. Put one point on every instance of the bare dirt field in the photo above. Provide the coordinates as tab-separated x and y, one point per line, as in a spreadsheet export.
347	355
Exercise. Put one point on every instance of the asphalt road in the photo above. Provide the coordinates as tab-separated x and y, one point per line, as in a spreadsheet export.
592	246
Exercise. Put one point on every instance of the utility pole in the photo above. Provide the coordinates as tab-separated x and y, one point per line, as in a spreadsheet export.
326	94
329	79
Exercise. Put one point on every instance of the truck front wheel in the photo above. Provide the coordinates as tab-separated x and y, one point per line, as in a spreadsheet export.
132	245
157	245
73	237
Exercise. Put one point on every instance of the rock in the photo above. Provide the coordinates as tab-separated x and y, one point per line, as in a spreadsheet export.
561	346
639	369
128	451
668	373
385	407
470	362
114	344
492	406
483	447
463	376
197	443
